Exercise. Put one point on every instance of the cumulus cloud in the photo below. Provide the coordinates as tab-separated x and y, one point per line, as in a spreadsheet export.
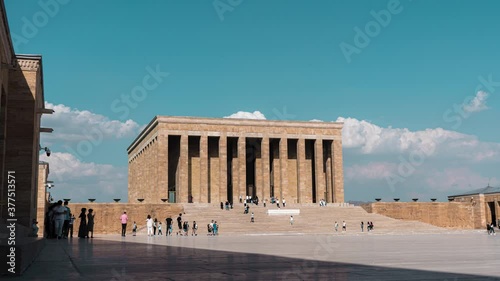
82	180
73	125
477	104
458	180
247	115
368	138
316	120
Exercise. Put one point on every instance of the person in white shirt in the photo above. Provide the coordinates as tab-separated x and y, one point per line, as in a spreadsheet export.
59	216
149	225
284	202
291	220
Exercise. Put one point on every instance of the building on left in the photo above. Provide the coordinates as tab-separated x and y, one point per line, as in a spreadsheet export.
22	105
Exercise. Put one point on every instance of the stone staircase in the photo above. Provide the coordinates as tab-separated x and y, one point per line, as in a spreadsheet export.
312	220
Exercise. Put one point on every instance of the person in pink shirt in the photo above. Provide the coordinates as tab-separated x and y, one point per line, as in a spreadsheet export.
124	219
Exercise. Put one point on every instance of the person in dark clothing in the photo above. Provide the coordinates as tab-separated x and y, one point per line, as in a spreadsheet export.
169	226
82	231
179	221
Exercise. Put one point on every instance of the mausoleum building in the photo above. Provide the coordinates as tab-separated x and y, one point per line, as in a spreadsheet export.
209	160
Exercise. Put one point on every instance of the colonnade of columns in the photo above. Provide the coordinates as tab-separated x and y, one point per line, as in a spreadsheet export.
212	169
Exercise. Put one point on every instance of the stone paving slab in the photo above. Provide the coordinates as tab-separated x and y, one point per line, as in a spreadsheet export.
471	256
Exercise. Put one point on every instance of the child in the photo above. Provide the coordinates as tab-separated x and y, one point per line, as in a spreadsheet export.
34	228
134	229
159	229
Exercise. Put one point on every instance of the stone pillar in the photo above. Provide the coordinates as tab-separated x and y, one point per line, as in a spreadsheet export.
162	168
284	169
258	169
223	170
182	185
338	172
305	189
204	169
329	175
266	180
320	176
242	167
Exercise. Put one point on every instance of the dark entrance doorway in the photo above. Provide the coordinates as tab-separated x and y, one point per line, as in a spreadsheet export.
252	153
491	206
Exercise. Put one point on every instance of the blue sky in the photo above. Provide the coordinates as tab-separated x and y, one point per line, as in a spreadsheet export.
275	57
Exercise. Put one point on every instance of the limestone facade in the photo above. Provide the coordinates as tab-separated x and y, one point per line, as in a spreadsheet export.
21	108
208	160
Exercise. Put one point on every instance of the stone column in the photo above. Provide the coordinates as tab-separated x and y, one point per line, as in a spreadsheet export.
329	175
203	169
182	185
223	170
305	189
242	167
284	169
338	172
266	180
320	176
162	168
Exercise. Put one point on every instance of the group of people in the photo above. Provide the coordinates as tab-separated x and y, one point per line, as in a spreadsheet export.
184	227
59	222
369	226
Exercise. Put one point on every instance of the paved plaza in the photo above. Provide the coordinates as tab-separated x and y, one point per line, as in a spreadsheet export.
455	256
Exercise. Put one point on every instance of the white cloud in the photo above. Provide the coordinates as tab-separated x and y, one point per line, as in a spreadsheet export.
477	104
370	171
316	120
247	115
456	180
82	180
73	125
369	138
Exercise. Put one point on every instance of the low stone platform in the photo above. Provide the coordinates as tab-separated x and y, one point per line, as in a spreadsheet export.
262	257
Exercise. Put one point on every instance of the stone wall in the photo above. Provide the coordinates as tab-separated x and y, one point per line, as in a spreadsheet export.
107	215
442	214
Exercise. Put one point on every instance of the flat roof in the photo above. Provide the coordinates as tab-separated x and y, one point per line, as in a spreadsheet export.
484	190
231	122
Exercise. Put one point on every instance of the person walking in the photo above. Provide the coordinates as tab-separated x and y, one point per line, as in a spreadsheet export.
159	229
291	220
59	216
252	218
82	230
71	223
362	226
336	226
67	220
90	223
169	225
155	225
179	221
149	225
195	228
344	226
124	220
284	203
134	229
